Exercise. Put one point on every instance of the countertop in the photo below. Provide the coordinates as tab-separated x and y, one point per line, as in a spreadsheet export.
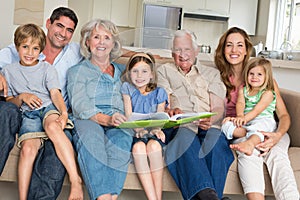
286	64
206	58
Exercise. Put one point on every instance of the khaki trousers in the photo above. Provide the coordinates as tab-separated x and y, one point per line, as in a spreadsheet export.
277	161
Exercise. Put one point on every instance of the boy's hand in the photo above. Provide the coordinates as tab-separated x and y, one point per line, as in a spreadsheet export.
31	100
62	120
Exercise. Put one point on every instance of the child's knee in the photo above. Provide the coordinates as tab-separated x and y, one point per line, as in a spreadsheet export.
228	129
30	148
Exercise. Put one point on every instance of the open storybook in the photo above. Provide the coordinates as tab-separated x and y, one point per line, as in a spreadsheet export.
162	119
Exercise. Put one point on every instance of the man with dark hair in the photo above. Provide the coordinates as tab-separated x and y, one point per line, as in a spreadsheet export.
48	173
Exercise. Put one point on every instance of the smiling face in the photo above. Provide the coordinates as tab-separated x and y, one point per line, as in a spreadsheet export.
256	77
29	52
60	32
184	53
100	43
235	49
140	75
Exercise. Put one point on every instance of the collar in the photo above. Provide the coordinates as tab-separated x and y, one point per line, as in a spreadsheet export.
195	68
42	56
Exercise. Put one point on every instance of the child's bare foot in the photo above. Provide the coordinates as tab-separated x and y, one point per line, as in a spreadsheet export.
76	192
245	147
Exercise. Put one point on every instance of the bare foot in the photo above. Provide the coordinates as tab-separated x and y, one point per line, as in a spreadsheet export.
245	147
76	192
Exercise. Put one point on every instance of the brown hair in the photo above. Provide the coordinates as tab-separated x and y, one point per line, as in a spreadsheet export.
266	64
32	31
222	64
141	57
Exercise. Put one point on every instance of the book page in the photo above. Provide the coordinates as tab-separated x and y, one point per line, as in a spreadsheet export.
153	116
186	115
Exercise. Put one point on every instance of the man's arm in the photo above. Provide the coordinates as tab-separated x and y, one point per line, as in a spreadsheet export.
3	85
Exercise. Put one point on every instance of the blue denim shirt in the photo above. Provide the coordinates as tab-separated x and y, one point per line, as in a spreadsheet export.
90	91
69	56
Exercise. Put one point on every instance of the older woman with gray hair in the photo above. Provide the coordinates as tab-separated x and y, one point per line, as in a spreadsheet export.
94	94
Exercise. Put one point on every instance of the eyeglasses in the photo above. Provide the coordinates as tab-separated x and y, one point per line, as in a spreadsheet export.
179	50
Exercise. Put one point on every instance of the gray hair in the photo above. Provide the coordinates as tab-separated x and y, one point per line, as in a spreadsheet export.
87	30
184	32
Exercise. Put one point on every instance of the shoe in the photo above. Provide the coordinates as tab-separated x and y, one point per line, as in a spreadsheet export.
207	194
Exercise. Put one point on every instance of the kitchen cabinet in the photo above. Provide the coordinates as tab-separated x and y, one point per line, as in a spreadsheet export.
243	14
217	6
192	5
121	12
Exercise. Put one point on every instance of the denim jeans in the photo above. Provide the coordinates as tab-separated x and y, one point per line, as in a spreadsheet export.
103	156
198	161
10	120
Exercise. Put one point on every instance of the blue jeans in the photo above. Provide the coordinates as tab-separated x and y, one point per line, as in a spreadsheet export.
48	172
103	156
10	120
198	161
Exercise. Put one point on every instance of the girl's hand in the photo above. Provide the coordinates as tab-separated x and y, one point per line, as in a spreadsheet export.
31	100
140	132
239	121
159	134
226	119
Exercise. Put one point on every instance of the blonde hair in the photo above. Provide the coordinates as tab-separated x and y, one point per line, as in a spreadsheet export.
266	64
87	30
141	57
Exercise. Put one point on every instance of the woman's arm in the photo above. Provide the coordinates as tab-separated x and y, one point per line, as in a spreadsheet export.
240	104
105	120
272	139
282	113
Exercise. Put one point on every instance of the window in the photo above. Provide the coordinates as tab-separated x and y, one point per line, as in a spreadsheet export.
287	36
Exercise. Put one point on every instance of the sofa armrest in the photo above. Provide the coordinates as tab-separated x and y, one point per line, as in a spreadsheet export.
291	100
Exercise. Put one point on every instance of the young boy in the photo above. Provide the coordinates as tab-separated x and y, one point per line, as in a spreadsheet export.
34	87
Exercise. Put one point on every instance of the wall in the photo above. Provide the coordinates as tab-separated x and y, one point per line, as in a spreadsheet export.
207	32
83	10
211	30
6	19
